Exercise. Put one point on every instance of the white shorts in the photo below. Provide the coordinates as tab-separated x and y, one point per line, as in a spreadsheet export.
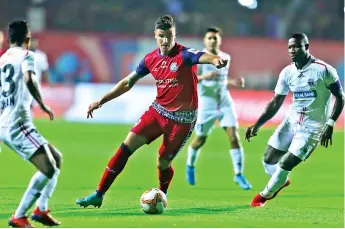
294	139
23	138
209	111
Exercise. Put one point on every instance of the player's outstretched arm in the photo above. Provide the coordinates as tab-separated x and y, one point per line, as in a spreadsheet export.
120	88
237	82
208	75
338	93
270	110
34	90
212	59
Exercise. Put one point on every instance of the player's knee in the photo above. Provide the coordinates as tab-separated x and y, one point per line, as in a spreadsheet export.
50	168
234	137
272	156
289	161
234	140
58	159
134	141
49	171
198	142
162	163
268	159
285	165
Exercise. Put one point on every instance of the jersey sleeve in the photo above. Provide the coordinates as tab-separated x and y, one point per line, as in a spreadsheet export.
282	87
191	56
331	76
28	63
141	69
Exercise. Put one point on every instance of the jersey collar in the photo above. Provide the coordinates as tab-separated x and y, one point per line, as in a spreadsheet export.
306	66
171	51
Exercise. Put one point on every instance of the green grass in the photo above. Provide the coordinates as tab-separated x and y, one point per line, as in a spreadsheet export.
315	197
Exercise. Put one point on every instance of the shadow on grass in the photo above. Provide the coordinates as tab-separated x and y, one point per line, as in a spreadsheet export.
123	212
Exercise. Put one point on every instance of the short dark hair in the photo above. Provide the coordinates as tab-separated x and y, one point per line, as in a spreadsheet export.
301	37
18	32
214	30
165	22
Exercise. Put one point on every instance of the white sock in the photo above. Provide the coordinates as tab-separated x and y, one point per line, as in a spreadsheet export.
269	169
237	156
42	202
36	185
277	180
192	157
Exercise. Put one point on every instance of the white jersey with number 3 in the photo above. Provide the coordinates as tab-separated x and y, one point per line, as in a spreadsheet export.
309	87
15	98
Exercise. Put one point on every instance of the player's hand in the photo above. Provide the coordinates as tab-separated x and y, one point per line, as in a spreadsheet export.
93	106
239	82
47	110
326	136
219	62
251	132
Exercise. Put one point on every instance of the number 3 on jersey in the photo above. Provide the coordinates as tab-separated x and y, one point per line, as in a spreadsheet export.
6	76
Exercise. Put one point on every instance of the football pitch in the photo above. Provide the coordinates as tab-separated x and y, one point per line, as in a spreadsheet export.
315	197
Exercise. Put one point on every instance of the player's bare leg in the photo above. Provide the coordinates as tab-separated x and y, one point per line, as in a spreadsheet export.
192	157
114	168
271	158
41	212
278	181
43	160
165	173
237	156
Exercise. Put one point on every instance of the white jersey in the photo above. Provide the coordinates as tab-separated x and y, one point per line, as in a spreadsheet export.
15	98
217	87
215	102
311	97
41	64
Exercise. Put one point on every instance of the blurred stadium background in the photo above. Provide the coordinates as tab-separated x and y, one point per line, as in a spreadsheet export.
101	41
92	44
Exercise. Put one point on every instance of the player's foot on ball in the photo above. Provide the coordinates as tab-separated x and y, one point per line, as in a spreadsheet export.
190	175
258	201
287	183
95	199
242	182
21	222
44	218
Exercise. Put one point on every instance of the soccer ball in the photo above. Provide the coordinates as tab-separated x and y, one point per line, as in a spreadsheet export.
153	201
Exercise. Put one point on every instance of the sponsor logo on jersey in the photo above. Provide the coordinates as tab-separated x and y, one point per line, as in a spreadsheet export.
164	64
173	67
311	82
303	95
164	83
301	75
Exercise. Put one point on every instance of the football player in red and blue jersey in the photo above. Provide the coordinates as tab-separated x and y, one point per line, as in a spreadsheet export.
172	114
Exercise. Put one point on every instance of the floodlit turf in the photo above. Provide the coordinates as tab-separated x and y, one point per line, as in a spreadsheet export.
315	197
